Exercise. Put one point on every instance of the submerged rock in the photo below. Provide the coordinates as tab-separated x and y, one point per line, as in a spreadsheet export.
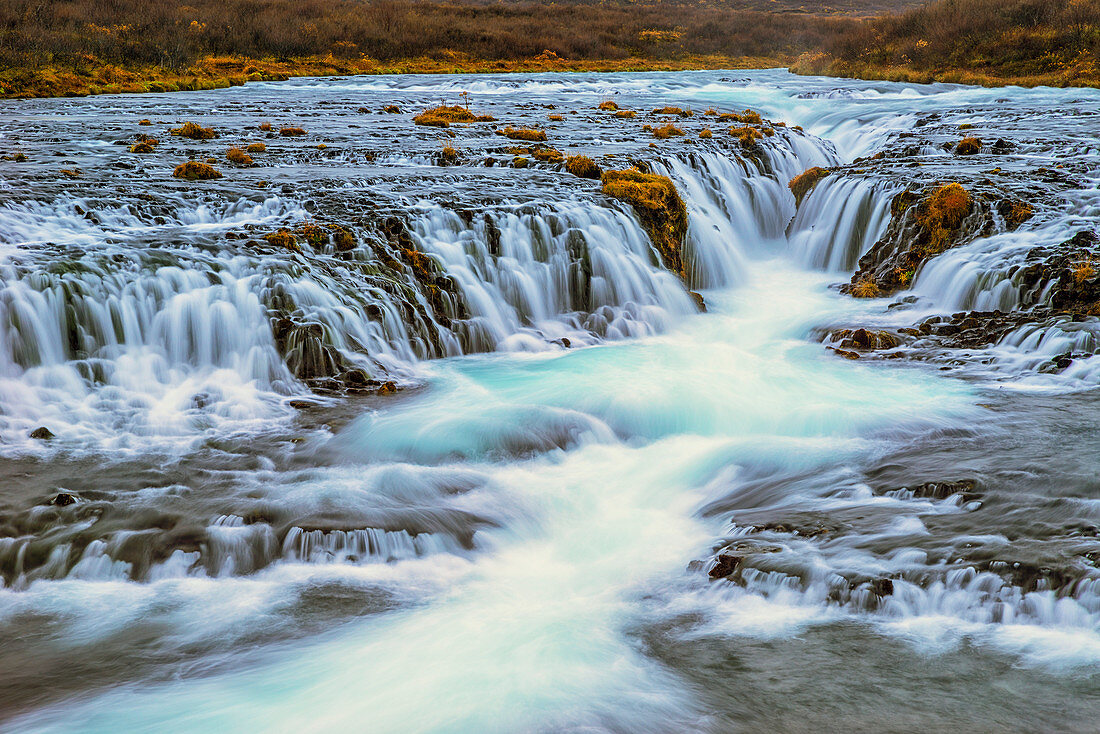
42	433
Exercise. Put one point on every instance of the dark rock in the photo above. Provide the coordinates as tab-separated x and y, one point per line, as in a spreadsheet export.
725	565
42	433
63	499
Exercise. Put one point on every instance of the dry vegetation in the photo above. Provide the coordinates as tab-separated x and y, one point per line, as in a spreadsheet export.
1028	42
659	207
73	47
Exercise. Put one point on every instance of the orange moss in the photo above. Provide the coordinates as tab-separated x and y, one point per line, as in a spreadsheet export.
706	134
523	133
801	184
196	171
582	166
194	131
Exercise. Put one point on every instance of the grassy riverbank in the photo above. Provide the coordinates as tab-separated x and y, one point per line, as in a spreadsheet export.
71	48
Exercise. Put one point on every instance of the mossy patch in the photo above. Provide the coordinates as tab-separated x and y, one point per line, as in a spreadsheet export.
196	171
523	133
194	131
582	166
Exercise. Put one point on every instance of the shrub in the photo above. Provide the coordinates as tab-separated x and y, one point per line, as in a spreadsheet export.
804	182
443	116
291	132
523	133
625	114
194	131
196	171
256	148
608	106
582	166
238	156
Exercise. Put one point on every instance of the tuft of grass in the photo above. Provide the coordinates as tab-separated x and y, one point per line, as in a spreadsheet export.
625	114
608	106
256	148
194	131
555	117
804	182
448	156
145	122
144	144
706	134
582	166
667	131
747	135
548	155
238	156
1083	271
673	111
748	117
265	126
523	133
291	132
196	171
392	109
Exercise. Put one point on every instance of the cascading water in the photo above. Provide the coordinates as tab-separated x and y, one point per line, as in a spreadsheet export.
697	522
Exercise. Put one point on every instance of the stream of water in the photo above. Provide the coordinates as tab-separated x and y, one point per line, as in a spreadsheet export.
519	539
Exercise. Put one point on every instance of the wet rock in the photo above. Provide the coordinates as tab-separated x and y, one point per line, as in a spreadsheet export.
42	433
63	499
699	302
725	566
882	587
865	339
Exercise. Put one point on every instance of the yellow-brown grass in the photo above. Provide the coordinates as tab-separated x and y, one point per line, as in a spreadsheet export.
625	114
673	111
582	166
940	215
194	131
866	288
196	171
443	116
608	105
801	184
256	148
291	132
238	156
523	133
667	131
968	146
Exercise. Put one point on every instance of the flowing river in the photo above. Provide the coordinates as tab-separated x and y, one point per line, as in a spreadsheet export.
492	469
